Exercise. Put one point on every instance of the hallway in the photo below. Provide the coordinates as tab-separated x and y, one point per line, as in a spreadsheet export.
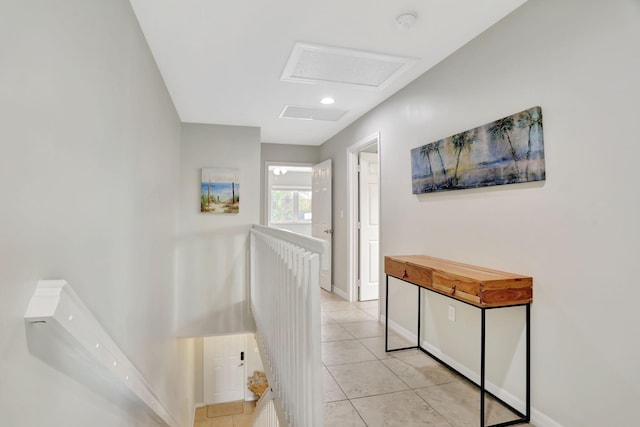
364	386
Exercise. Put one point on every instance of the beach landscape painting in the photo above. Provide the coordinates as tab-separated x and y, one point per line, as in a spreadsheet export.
220	190
506	151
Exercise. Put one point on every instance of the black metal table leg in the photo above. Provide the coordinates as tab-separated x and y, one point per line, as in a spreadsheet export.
482	365
419	317
526	417
386	313
386	324
528	409
523	418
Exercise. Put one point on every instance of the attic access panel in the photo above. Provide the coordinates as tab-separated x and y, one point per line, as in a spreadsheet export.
318	64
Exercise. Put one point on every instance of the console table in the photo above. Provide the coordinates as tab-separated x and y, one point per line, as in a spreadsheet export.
476	286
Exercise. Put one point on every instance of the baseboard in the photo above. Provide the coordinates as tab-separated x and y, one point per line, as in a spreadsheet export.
475	377
538	418
342	294
404	333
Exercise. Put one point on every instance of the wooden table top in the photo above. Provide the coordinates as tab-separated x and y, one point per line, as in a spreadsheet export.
479	286
474	272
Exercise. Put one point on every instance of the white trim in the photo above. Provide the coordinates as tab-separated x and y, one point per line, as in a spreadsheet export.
472	375
352	208
56	316
308	243
342	294
538	418
541	420
475	377
395	327
267	187
292	187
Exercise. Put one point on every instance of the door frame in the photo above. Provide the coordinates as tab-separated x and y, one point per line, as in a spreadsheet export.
352	207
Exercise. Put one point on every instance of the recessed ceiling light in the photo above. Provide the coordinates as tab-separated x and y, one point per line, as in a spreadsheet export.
327	100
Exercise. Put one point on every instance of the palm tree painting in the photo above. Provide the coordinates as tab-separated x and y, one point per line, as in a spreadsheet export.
531	120
501	130
506	151
460	142
425	151
220	190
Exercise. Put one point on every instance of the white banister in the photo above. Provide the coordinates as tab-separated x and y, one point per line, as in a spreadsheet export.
265	414
285	301
64	332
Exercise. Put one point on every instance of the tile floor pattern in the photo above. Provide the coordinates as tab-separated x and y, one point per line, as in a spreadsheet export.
364	386
239	420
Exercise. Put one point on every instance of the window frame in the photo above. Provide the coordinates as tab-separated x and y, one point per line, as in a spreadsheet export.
296	189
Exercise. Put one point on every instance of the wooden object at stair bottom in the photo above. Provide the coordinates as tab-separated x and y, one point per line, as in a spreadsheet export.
258	383
478	286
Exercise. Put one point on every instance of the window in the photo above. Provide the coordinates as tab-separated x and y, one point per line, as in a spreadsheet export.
290	205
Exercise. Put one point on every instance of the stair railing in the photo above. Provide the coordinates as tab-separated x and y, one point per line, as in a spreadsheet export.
285	302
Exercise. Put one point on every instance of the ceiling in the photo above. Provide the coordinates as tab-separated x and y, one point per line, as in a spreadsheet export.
222	61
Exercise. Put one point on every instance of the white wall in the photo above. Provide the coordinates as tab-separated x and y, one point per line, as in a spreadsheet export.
212	249
577	233
289	153
198	393
88	175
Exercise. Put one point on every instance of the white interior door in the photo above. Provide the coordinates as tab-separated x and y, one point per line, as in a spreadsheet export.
321	227
369	226
224	371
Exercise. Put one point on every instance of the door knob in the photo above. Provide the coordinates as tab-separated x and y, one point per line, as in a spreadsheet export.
329	231
241	365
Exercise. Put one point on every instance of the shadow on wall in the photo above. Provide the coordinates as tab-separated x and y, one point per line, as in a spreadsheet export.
222	321
213	283
477	192
58	350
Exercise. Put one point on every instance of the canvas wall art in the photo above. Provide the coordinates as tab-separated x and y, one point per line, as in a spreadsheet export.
507	151
220	190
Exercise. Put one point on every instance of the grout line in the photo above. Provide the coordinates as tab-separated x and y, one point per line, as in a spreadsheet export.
358	412
338	384
396	356
434	409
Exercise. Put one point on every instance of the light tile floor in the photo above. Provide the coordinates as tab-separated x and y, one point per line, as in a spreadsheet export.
365	386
